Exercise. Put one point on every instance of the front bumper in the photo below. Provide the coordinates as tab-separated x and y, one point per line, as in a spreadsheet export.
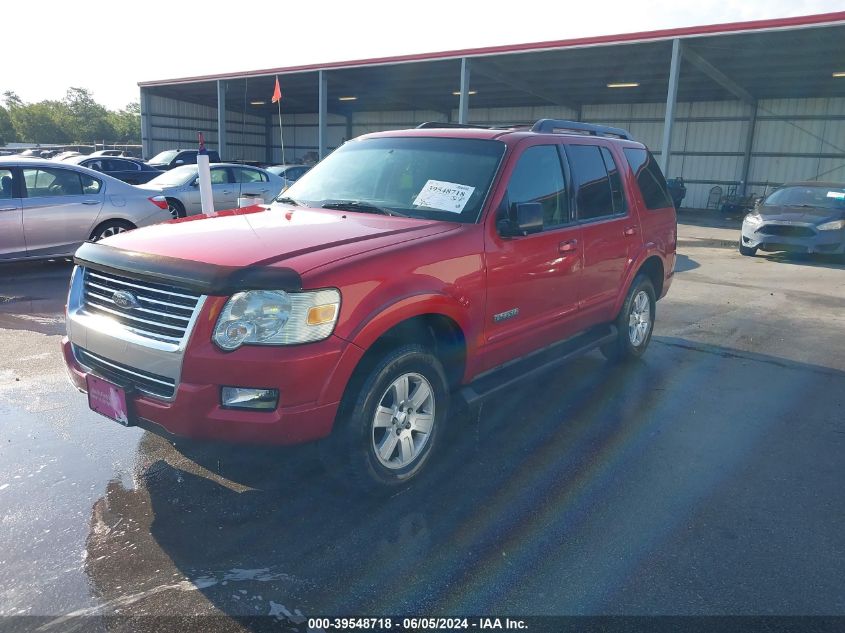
780	236
195	410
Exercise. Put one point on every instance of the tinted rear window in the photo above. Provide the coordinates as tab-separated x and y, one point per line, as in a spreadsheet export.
649	178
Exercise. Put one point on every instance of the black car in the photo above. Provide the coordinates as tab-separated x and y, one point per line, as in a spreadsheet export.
131	170
800	217
171	158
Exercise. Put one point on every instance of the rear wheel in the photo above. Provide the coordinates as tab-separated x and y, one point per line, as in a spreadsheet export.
176	208
109	228
635	322
747	250
389	422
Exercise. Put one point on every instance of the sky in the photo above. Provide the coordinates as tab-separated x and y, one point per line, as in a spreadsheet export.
109	46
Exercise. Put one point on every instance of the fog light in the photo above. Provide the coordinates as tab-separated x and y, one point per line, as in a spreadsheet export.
246	398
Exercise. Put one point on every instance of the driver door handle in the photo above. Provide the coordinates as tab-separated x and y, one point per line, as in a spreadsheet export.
569	246
90	202
630	230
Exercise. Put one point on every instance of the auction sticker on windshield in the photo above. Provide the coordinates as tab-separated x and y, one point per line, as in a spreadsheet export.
446	196
838	195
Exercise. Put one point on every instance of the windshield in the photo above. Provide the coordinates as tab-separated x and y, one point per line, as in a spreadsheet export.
433	178
178	176
808	196
164	157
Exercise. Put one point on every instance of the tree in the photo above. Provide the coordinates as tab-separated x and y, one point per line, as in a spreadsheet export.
83	118
127	123
42	122
7	130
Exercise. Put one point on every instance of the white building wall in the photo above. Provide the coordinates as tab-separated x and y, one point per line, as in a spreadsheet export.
794	139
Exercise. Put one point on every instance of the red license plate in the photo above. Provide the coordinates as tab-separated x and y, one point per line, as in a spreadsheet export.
108	399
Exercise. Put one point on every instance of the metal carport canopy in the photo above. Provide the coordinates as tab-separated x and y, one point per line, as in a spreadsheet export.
781	58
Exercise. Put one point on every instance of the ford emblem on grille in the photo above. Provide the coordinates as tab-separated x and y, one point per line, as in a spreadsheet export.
125	300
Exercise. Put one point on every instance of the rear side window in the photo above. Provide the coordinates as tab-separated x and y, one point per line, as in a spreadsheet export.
593	195
649	178
538	177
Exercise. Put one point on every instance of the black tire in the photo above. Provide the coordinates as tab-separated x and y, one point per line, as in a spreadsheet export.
109	228
624	348
349	454
176	208
747	250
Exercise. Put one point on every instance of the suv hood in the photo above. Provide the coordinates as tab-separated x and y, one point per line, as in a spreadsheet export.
810	215
299	238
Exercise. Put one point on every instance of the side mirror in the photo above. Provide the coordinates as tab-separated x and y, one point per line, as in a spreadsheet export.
178	162
524	218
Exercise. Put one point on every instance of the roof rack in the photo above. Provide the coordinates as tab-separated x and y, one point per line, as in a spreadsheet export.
442	124
549	126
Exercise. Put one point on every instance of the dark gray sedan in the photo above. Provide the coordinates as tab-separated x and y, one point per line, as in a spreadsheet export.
131	170
801	217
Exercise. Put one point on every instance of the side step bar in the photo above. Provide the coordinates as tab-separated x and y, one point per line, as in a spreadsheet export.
535	364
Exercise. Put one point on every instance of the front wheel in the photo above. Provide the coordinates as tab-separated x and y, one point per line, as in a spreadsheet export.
389	422
635	322
747	250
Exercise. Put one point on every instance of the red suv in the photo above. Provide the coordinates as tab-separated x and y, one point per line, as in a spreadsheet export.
408	271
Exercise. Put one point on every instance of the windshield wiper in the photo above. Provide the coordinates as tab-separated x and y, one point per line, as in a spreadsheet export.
287	200
363	207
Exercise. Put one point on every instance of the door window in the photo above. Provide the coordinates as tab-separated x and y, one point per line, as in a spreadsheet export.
593	198
6	181
115	164
616	190
47	182
538	177
219	176
243	174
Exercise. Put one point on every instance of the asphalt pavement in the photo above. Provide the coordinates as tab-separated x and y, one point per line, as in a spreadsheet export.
705	479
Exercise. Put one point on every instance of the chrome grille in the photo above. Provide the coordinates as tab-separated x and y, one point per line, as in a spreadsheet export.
147	382
163	312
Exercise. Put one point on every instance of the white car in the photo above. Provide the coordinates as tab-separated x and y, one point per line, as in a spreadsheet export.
48	209
229	182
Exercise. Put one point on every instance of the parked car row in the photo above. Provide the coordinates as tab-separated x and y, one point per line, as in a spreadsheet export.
48	208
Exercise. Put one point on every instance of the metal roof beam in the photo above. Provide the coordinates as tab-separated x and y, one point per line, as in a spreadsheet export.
413	104
717	75
497	73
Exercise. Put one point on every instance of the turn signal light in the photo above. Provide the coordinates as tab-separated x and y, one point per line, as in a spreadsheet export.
318	315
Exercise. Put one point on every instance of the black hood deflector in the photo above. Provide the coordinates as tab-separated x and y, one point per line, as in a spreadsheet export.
200	277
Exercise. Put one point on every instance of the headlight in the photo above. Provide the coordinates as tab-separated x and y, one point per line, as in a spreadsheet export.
276	317
754	218
832	226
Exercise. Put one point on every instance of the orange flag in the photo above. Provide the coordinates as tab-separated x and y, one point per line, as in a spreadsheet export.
277	93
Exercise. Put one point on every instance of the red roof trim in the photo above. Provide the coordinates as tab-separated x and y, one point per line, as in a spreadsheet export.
820	19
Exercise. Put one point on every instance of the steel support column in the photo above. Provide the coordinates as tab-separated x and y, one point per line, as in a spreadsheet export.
749	144
322	114
671	98
146	124
221	120
463	104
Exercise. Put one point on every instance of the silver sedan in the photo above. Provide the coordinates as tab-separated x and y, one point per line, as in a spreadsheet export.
229	182
48	209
